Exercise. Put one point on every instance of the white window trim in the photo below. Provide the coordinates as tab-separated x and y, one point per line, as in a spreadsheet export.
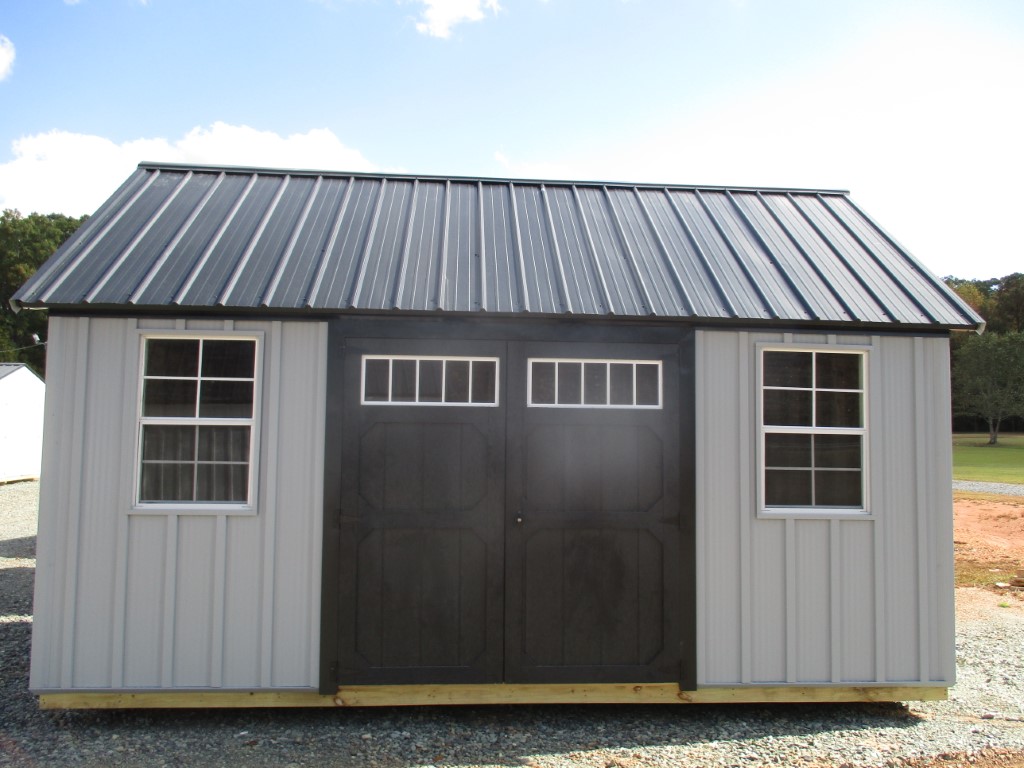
607	361
199	507
444	359
862	512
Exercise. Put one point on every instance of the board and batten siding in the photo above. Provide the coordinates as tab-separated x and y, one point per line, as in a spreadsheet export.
179	599
845	600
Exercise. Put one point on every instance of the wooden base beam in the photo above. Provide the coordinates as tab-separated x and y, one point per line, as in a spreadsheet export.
447	695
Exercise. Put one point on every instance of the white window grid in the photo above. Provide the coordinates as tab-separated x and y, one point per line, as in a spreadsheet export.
607	362
202	421
444	360
813	430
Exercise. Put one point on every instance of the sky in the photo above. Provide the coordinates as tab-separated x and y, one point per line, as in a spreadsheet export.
916	107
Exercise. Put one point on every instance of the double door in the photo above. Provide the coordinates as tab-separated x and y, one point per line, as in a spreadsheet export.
509	513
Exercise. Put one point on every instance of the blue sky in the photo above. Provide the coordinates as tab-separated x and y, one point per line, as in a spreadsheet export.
916	107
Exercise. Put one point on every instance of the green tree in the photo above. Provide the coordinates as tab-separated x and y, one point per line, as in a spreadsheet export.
988	379
1006	313
25	243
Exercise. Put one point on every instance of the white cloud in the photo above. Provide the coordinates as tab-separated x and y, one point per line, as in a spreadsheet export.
72	173
919	121
440	16
6	57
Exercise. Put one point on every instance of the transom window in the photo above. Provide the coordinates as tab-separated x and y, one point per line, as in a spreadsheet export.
589	383
424	380
812	429
196	420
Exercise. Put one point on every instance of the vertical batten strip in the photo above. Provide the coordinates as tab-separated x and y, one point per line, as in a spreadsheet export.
183	230
791	597
139	235
321	267
75	509
128	431
220	545
921	499
315	552
743	417
65	272
236	275
289	249
835	624
198	267
740	261
269	437
170	598
700	390
878	464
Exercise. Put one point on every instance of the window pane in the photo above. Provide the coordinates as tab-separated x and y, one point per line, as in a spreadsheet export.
168	443
430	381
570	383
595	384
622	383
166	482
787	487
224	443
403	381
456	381
647	384
838	371
222	482
226	399
229	359
542	383
839	409
484	381
376	379
172	357
837	488
787	407
169	397
787	450
787	369
841	451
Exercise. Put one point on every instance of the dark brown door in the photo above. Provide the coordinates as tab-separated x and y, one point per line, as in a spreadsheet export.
593	546
422	524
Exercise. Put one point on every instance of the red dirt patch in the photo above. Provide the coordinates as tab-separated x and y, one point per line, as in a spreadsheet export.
989	529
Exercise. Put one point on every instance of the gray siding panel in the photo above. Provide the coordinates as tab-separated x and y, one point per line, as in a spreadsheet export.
195	587
843	600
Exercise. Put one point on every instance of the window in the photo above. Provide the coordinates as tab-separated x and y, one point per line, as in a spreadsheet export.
196	423
580	383
812	430
402	380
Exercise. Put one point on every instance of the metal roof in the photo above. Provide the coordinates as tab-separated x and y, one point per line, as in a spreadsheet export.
8	368
250	239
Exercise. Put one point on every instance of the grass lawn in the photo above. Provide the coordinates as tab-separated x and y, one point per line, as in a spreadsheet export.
974	459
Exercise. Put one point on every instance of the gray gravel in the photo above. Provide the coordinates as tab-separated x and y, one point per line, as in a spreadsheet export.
1003	489
985	713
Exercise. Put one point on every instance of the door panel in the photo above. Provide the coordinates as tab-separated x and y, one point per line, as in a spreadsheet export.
422	532
593	549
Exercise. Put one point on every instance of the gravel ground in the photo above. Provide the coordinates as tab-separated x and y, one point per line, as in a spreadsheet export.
1003	489
982	724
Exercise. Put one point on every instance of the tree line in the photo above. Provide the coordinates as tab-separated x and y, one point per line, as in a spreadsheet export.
988	370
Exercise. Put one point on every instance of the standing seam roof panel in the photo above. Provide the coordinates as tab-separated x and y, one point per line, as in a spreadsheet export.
301	240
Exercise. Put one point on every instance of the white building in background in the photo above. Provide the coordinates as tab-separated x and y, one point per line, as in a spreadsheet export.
21	422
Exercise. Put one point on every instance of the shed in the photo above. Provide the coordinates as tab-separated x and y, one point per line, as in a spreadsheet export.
21	412
365	439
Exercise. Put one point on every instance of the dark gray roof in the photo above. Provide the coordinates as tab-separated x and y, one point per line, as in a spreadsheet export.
306	241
